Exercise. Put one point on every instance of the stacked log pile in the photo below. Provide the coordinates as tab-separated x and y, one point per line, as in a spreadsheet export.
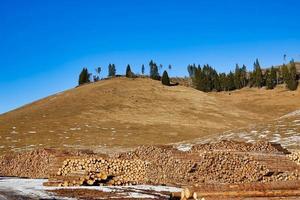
99	171
226	145
172	167
167	165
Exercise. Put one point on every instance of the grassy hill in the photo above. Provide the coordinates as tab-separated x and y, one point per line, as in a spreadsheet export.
122	113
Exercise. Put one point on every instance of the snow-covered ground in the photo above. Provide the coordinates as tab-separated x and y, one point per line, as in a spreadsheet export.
34	189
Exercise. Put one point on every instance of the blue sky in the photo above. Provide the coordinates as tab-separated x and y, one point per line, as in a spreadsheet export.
45	44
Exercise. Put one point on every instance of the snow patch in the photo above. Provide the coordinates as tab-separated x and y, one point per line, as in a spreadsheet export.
32	188
184	147
295	113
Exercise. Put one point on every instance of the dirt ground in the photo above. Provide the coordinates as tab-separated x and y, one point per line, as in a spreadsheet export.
122	113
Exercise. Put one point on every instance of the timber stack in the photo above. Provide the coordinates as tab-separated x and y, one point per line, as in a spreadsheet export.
165	165
99	171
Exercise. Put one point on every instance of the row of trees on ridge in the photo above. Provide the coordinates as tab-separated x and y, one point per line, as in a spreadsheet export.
207	79
85	76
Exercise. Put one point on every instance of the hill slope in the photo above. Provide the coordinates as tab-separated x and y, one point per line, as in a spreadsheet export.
123	113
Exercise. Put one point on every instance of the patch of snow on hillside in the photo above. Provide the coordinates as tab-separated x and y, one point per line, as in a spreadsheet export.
295	113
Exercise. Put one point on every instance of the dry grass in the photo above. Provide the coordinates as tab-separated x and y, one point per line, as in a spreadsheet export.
123	113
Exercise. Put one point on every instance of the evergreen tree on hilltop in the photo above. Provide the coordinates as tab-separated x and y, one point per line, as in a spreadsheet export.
292	81
129	73
230	81
165	78
269	81
244	79
258	76
111	70
84	77
207	78
215	81
237	77
223	81
143	69
154	74
191	70
285	73
278	76
273	76
198	77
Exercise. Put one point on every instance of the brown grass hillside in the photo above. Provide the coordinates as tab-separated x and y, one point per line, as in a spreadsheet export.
122	113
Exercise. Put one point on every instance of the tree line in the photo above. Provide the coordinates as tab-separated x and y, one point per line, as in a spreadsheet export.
85	76
207	79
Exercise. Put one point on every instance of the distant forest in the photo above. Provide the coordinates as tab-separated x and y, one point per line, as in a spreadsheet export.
207	79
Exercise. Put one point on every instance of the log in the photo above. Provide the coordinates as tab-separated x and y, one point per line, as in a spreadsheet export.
278	185
268	193
188	193
175	195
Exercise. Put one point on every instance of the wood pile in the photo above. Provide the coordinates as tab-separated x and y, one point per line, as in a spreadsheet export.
99	171
172	167
166	165
226	145
34	164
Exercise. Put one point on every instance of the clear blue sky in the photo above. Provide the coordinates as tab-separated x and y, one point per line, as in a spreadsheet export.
44	44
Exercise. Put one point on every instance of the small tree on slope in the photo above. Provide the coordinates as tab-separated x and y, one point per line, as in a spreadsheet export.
165	78
292	82
129	73
84	77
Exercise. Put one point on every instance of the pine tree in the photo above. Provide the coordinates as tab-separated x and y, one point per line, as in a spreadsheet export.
292	80
191	71
230	81
154	74
143	69
129	73
285	73
165	78
244	79
111	70
84	77
273	76
216	81
258	76
223	82
251	79
237	77
198	77
269	81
